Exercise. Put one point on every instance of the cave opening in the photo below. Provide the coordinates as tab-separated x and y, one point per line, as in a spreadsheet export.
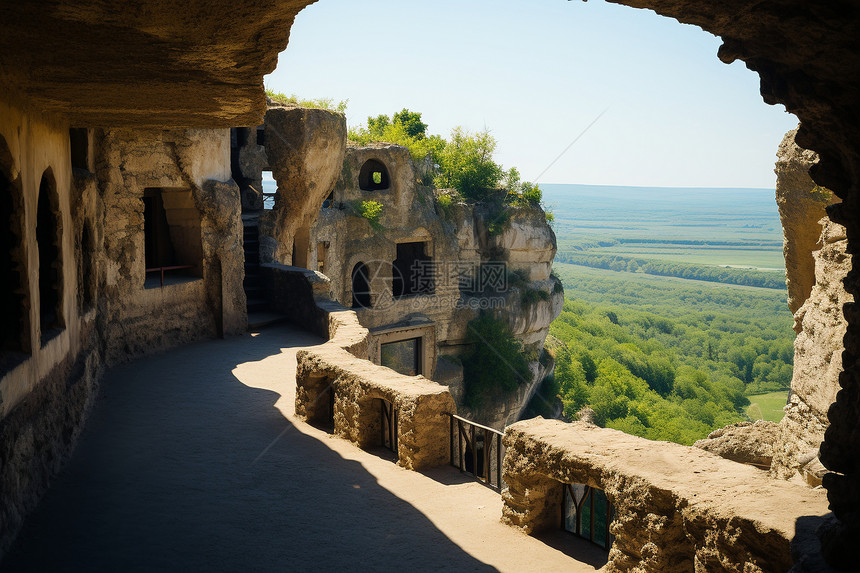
49	232
373	176
13	331
361	287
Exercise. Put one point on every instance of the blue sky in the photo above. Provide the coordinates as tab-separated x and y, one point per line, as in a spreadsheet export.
536	74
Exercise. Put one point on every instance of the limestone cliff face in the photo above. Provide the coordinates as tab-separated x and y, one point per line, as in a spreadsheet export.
817	359
800	210
816	263
456	240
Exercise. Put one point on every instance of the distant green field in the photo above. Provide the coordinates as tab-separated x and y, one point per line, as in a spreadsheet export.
567	272
767	406
753	257
715	227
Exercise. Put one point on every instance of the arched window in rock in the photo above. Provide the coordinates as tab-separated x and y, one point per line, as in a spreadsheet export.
49	232
14	329
373	176
360	286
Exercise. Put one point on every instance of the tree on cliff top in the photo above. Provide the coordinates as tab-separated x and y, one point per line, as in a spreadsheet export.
467	164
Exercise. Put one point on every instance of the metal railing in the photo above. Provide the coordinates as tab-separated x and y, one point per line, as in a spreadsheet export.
477	450
388	426
170	268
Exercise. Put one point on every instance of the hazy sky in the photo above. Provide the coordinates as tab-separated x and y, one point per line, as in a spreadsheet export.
537	74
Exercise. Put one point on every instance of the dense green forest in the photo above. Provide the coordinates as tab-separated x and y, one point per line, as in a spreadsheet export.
667	359
726	275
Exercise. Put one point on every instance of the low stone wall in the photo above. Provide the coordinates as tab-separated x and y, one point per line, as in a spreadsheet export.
336	383
357	385
677	509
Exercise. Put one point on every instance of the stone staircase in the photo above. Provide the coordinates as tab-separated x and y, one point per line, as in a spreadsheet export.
259	313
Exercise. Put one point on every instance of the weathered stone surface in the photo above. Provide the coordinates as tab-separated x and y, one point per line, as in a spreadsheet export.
456	239
194	165
358	386
145	63
744	442
677	508
817	357
305	149
800	210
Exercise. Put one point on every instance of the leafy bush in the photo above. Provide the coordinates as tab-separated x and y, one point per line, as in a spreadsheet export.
529	296
403	128
321	103
372	211
467	164
495	365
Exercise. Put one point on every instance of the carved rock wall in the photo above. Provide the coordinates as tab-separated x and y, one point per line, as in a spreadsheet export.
816	265
305	149
194	165
457	240
96	182
677	508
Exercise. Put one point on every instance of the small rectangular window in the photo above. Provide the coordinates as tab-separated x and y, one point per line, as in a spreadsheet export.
79	142
403	356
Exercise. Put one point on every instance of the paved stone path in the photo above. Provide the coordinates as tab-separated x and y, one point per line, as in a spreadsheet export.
192	461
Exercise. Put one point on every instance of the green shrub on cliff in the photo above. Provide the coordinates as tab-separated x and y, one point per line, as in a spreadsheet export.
370	210
495	365
321	103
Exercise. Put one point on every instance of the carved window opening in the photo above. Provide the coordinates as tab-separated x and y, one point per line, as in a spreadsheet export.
172	237
49	233
270	190
329	201
413	270
373	176
14	325
587	512
360	286
79	145
403	356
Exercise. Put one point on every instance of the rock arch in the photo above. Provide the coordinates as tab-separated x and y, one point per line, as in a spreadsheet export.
14	327
49	233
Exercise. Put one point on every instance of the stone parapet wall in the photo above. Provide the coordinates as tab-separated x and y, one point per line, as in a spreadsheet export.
677	508
335	383
421	404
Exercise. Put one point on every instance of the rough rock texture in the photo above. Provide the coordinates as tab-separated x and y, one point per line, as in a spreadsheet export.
744	442
305	149
817	359
135	320
457	241
335	383
189	68
145	63
38	436
800	210
358	386
677	508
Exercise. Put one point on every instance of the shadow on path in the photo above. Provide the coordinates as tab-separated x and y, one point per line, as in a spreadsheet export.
164	479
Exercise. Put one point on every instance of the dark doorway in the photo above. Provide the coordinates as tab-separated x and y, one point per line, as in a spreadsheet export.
360	286
12	323
48	238
413	271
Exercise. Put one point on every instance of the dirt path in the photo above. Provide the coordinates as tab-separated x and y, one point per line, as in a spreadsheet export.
192	461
